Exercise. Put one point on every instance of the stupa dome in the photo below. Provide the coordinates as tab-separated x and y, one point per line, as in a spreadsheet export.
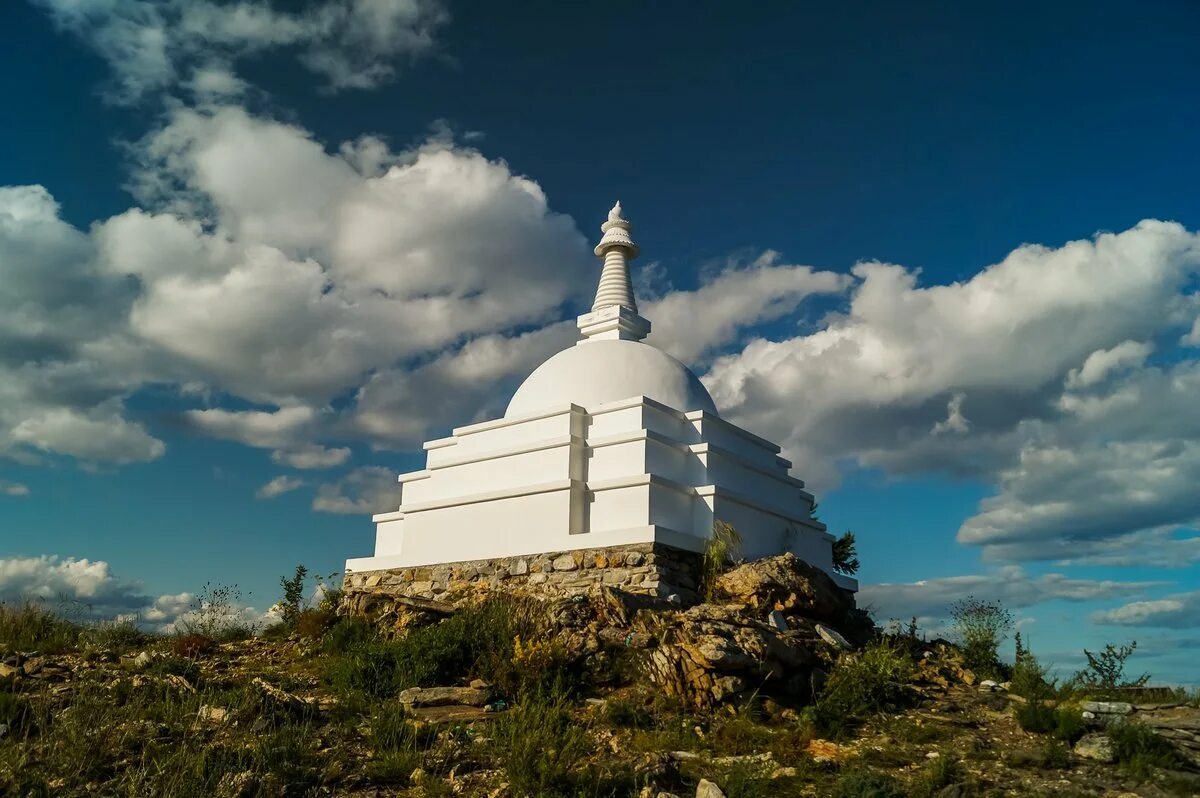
595	372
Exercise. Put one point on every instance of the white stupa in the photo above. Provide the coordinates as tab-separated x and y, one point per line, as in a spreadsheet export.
610	446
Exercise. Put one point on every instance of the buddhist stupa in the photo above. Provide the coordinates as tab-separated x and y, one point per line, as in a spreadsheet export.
610	466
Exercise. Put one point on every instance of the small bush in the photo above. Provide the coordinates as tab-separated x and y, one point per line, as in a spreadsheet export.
845	554
981	626
1106	670
1029	678
863	783
346	633
1069	725
31	627
1140	750
293	594
1056	755
118	635
625	714
541	748
498	640
391	729
939	773
314	623
15	713
192	645
862	684
1037	717
721	550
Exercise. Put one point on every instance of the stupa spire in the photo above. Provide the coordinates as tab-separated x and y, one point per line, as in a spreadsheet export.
617	249
614	314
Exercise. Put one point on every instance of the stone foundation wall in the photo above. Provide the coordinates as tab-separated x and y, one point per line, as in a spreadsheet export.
651	569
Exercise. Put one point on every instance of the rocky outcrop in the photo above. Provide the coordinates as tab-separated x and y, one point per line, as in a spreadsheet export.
782	626
786	583
1176	722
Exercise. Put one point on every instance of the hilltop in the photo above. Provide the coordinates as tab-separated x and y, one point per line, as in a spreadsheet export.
775	686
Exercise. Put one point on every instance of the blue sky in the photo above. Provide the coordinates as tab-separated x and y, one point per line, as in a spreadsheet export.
245	244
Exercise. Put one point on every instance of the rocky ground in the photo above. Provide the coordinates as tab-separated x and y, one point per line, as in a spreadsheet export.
607	695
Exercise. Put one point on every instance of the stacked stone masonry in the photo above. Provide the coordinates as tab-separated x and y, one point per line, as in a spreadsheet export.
650	569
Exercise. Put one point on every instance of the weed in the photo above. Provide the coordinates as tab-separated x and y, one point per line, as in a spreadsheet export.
1056	755
346	634
862	684
293	594
626	714
1106	670
1036	716
15	713
488	640
1139	749
863	783
314	623
31	627
541	748
938	774
845	555
981	626
192	645
118	635
720	550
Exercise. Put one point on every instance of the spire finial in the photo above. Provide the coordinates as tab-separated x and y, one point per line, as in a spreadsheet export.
614	314
615	214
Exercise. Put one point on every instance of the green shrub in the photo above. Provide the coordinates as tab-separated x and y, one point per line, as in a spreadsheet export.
32	627
391	729
487	641
1036	716
980	627
314	623
118	635
1069	724
862	684
1029	678
347	633
937	774
626	714
720	550
1139	749
293	594
1106	670
1056	755
192	645
540	747
863	783
15	713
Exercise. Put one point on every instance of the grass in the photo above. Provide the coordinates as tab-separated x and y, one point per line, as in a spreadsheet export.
864	783
500	640
936	775
1139	750
540	746
31	627
862	684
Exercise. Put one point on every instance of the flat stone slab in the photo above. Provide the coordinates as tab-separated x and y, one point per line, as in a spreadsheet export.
833	637
453	713
444	696
1107	707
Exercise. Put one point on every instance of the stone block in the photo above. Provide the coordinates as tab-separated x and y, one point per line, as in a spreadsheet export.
565	562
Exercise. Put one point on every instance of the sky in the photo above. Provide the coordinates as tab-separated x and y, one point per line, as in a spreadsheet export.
252	254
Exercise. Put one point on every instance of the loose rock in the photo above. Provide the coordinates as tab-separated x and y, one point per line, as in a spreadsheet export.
1097	747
